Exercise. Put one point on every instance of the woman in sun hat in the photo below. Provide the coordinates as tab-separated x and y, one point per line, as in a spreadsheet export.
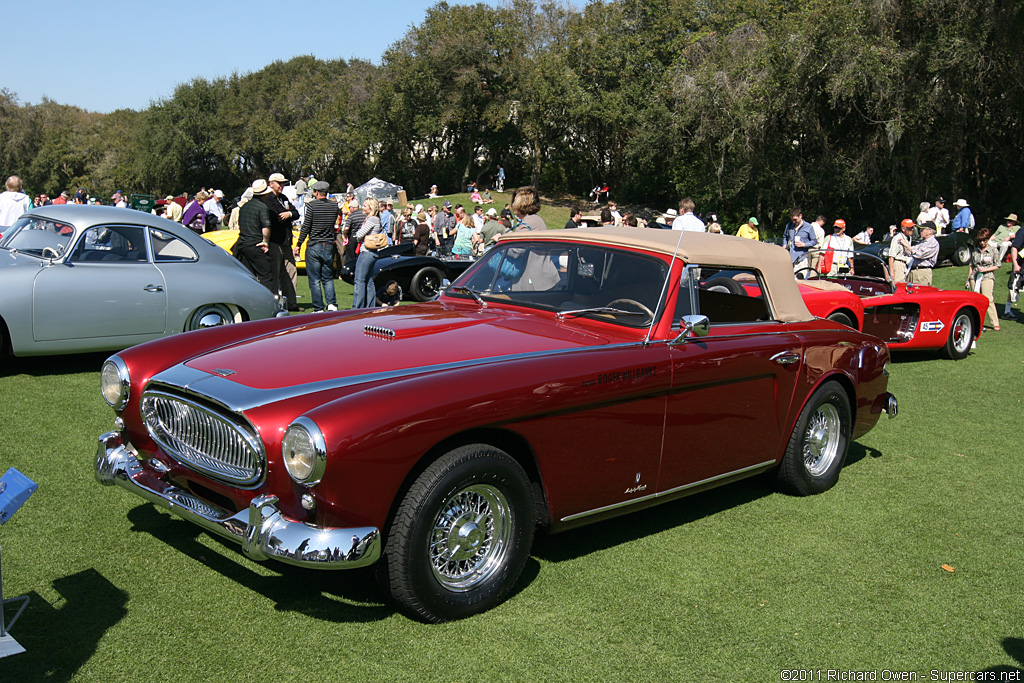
964	220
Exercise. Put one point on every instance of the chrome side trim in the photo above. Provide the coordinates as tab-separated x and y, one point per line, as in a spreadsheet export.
261	529
669	492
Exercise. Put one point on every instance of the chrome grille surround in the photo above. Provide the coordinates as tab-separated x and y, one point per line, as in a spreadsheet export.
217	444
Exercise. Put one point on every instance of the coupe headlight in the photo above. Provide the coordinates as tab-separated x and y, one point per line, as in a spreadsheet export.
304	451
115	383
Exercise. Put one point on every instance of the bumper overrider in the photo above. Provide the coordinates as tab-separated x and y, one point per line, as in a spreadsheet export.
262	530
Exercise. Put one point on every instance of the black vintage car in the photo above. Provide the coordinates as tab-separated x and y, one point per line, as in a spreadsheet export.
954	247
420	277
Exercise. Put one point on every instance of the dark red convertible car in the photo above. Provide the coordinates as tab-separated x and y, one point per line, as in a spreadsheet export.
567	377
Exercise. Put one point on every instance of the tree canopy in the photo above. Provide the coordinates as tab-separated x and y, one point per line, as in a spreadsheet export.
859	109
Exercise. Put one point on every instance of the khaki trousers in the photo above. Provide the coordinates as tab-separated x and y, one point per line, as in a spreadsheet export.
920	276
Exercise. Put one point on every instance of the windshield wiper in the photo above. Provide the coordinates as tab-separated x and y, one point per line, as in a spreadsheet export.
472	292
561	315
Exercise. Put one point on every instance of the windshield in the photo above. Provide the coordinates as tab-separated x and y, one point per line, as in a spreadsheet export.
574	280
40	237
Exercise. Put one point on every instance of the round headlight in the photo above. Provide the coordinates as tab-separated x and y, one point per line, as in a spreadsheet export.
304	451
115	383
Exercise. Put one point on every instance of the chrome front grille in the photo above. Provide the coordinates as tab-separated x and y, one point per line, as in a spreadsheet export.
204	439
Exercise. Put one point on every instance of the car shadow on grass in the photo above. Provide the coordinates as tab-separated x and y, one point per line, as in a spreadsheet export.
51	366
91	606
642	523
633	526
1003	672
351	596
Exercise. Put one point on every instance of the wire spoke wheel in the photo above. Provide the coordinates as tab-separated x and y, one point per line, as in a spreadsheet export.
817	446
821	440
470	537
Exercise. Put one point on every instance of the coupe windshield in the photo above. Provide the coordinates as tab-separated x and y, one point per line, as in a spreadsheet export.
574	280
39	236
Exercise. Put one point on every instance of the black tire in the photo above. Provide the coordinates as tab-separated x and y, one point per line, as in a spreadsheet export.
817	448
446	503
961	335
725	285
425	284
961	256
210	315
842	319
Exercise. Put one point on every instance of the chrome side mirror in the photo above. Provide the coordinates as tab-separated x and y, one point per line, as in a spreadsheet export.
693	327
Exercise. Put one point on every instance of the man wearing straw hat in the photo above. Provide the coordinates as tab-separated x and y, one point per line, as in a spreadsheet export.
1004	234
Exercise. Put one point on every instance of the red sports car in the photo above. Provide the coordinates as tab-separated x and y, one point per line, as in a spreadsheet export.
905	316
566	377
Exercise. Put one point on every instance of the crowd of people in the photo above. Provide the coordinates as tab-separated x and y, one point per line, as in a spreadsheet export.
337	229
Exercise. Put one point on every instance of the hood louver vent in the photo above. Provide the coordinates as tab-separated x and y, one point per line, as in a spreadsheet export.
377	331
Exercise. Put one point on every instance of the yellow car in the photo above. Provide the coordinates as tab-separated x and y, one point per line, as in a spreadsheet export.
225	239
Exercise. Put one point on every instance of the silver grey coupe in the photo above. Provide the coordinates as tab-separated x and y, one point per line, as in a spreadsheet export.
79	278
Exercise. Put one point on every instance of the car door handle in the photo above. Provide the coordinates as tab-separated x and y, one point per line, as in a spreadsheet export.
153	288
786	357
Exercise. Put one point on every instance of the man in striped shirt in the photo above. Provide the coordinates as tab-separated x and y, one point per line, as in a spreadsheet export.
318	225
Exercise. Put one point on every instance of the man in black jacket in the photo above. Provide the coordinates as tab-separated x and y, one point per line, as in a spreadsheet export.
282	215
253	246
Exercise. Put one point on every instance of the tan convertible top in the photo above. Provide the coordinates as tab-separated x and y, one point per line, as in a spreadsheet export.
698	248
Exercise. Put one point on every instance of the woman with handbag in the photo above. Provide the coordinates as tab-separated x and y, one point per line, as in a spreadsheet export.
373	238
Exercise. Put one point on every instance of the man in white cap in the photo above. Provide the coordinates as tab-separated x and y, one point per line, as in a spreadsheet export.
964	221
253	245
282	216
213	207
174	210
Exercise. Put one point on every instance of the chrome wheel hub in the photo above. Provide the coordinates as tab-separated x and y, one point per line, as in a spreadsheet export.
470	536
961	334
212	319
821	440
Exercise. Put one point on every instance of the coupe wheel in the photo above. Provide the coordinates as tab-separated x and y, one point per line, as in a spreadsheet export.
210	315
961	334
461	535
817	447
962	255
426	284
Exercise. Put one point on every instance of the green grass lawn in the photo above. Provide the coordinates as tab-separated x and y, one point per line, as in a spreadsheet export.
735	584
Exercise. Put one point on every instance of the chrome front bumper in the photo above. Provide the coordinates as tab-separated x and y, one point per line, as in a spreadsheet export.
262	530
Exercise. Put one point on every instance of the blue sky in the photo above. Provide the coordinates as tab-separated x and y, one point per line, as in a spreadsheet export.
103	55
